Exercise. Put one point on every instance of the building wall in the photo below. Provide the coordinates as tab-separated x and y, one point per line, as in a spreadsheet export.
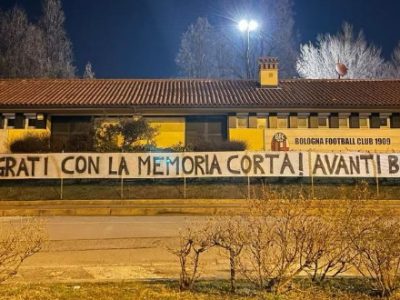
253	137
256	132
320	139
171	131
8	136
337	139
3	141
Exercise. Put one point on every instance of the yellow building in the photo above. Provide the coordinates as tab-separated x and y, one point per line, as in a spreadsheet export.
268	114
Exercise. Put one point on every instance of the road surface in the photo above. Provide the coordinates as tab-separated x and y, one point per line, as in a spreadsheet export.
111	248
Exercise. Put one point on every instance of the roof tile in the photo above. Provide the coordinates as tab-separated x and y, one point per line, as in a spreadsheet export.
294	93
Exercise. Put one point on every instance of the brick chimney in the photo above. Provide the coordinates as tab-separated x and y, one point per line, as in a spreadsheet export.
268	72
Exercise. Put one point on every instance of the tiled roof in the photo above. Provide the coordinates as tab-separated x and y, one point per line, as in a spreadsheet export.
294	93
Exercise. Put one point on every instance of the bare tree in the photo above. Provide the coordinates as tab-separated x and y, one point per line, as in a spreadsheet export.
334	222
362	59
218	52
192	244
394	65
229	233
201	53
22	52
18	241
283	241
57	44
89	73
375	237
275	36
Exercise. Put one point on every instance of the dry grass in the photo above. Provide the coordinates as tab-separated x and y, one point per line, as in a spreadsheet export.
169	290
221	188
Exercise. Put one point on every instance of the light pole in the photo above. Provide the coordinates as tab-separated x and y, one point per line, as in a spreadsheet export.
248	26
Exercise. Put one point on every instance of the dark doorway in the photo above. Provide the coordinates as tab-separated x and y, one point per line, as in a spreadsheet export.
211	129
72	133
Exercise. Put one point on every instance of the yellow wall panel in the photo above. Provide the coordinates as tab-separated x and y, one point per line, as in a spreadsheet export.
337	139
253	137
171	131
8	136
3	141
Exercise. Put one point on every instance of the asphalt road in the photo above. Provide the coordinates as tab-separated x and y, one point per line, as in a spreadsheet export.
76	228
112	248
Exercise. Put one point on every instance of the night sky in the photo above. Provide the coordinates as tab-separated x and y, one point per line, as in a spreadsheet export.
140	38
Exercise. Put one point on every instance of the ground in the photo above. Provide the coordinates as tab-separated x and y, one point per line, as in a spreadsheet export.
110	248
127	257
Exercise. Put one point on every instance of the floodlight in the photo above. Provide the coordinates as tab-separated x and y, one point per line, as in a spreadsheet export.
252	25
243	25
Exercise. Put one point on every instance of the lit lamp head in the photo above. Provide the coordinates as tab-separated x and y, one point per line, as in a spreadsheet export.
245	25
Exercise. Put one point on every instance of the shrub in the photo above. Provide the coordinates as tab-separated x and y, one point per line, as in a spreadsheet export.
375	238
18	241
125	136
31	144
193	241
283	241
76	143
229	234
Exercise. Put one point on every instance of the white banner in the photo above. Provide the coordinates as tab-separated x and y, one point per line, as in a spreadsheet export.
197	164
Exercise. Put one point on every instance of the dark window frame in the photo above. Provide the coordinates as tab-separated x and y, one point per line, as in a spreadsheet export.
395	120
202	132
374	121
354	121
334	120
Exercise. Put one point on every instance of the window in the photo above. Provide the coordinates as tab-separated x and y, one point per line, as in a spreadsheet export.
343	120
31	120
334	120
10	120
36	121
375	121
209	129
262	121
243	121
313	121
364	121
232	121
384	120
322	122
354	121
293	121
41	121
395	120
1	122
32	123
11	123
302	122
273	122
282	121
253	121
67	136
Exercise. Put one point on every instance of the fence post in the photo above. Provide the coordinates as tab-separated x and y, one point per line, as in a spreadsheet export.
61	188
248	188
62	184
182	154
376	175
311	174
184	188
122	180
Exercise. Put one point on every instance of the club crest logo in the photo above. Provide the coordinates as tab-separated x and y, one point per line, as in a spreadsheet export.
279	142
